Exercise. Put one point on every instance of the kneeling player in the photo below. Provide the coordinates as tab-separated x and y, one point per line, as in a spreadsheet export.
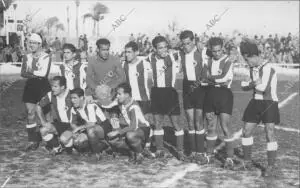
262	108
137	130
86	119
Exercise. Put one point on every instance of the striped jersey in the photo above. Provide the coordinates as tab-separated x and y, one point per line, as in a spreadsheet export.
88	113
221	71
59	105
38	66
267	90
137	75
194	64
133	117
75	74
164	70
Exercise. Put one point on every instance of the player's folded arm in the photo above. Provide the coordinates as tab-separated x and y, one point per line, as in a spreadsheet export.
226	74
264	80
246	86
45	64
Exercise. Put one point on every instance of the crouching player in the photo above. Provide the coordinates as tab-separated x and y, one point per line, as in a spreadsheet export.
263	107
86	119
137	130
60	102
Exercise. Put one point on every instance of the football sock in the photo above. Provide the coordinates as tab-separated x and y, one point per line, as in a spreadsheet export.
200	141
271	152
211	141
247	147
179	140
33	132
192	140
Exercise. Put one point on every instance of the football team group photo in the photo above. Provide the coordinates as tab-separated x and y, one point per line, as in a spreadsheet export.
149	94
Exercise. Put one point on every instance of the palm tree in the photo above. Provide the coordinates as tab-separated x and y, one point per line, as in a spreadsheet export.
77	2
59	26
96	15
4	5
52	21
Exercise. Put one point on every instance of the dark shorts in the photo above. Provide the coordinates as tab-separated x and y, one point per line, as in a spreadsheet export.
265	111
61	127
145	106
193	95
219	100
146	131
35	89
164	101
106	126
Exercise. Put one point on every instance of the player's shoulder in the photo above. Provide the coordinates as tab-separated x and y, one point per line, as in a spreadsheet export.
44	55
134	106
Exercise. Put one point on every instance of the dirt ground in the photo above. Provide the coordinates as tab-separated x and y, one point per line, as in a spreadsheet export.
39	169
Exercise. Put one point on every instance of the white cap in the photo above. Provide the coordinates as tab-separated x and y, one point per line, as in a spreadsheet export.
35	37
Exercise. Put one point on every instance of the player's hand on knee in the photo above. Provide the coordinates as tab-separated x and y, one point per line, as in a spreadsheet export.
113	134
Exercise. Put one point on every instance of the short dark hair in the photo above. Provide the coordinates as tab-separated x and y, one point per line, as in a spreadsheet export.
126	88
249	48
78	91
69	46
158	39
133	45
102	41
62	80
215	41
186	34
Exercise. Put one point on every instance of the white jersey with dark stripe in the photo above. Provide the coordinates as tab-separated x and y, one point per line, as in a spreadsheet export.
221	71
164	70
137	75
133	116
267	90
59	106
75	74
194	64
89	113
38	66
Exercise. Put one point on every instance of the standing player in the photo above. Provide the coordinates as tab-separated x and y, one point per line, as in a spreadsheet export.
104	72
138	129
219	100
35	67
73	70
194	65
263	107
164	97
89	119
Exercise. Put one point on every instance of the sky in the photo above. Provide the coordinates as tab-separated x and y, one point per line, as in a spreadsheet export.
152	17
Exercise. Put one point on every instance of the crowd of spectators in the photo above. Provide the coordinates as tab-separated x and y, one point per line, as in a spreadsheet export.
279	49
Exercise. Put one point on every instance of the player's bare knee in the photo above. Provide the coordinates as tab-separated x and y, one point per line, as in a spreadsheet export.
130	136
43	131
91	132
210	116
65	137
270	132
247	132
